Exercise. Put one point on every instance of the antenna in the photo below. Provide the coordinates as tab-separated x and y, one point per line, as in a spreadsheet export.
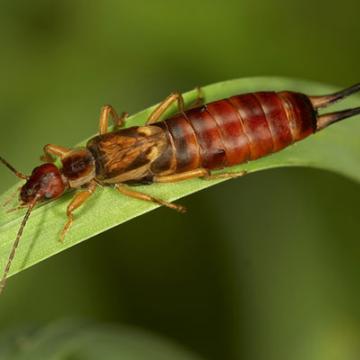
11	168
16	243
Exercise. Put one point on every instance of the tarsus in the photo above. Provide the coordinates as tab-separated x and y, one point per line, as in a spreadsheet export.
325	120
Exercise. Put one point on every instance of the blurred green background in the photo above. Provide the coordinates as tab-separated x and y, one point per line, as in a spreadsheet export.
264	267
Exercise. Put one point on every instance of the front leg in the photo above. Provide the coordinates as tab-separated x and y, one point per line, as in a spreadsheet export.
51	150
75	203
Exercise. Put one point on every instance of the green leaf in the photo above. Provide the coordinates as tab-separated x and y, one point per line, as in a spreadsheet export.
336	149
76	340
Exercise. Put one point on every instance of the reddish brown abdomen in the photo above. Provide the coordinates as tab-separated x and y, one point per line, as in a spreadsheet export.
238	129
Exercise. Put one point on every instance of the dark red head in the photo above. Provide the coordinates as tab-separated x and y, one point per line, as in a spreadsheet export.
48	182
45	182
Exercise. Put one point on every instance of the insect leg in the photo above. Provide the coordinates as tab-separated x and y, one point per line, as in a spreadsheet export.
197	173
201	172
175	96
123	189
75	203
224	175
51	150
164	105
107	111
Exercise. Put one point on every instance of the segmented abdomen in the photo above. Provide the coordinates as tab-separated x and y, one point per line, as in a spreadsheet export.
238	129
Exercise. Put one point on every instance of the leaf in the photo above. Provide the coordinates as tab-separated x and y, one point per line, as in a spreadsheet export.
65	340
336	149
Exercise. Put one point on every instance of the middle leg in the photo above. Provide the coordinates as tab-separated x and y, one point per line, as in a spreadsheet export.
125	190
198	173
105	113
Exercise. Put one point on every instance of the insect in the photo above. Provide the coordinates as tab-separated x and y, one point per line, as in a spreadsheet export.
188	145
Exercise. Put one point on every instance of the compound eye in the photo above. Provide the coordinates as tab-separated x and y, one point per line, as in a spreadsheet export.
30	192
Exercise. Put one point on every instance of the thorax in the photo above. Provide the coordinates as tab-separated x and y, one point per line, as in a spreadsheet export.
128	154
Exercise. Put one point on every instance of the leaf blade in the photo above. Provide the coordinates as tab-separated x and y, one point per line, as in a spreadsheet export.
335	149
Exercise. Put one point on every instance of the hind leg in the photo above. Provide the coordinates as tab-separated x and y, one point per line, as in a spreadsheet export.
175	96
51	150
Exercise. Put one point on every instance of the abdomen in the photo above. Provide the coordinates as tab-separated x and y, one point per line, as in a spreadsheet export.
238	129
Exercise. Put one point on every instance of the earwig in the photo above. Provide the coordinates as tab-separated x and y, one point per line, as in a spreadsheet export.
188	145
